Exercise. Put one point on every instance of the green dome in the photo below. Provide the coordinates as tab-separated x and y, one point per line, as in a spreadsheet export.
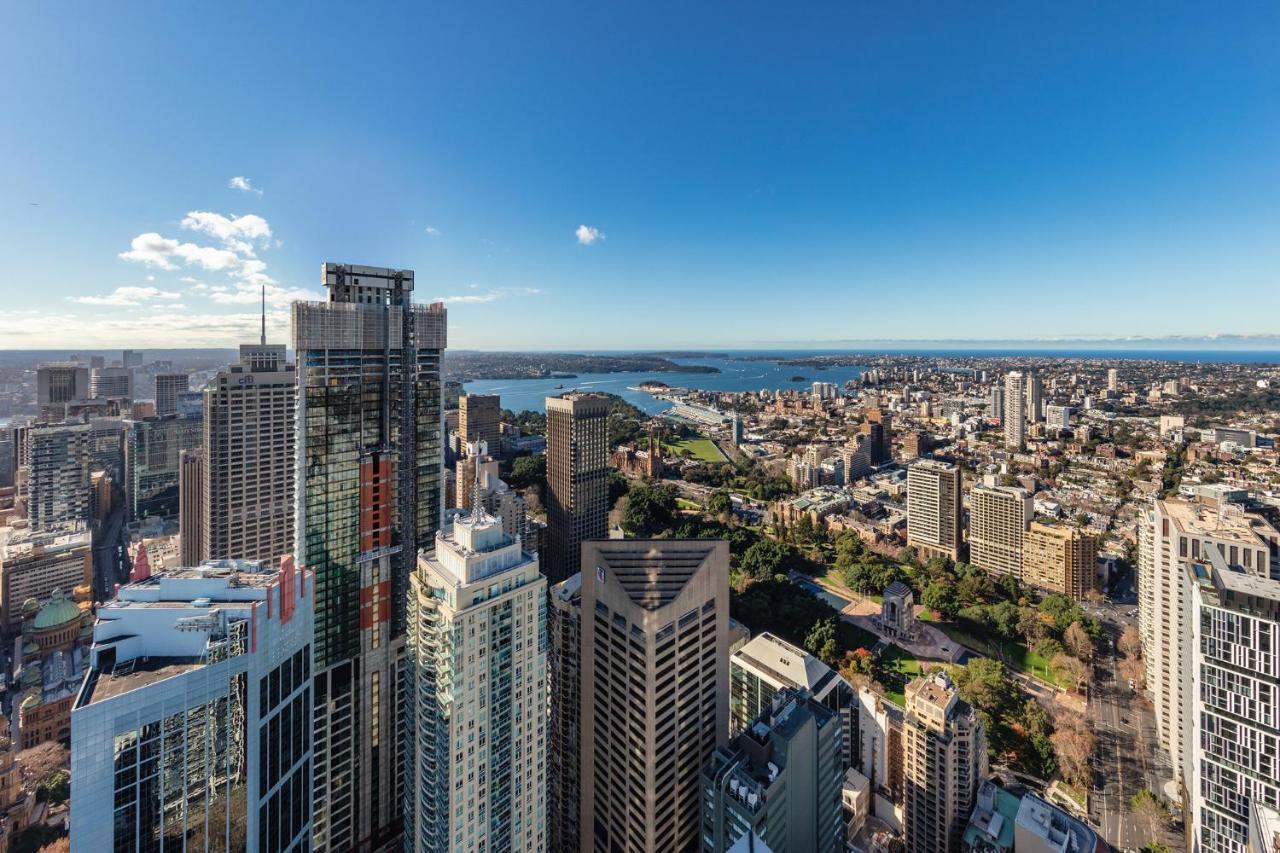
58	611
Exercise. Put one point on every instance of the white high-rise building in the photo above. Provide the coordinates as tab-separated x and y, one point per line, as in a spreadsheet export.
1015	412
1173	534
1113	379
998	517
192	730
476	698
1233	717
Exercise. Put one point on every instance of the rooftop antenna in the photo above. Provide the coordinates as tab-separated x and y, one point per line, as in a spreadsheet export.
264	315
477	504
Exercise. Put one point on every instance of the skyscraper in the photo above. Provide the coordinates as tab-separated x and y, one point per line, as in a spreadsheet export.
480	419
193	727
191	508
1014	416
655	688
168	387
1034	397
577	478
369	455
564	734
1233	728
998	517
1113	379
111	382
1170	535
476	779
780	778
58	474
934	509
59	383
153	448
250	434
944	760
1061	559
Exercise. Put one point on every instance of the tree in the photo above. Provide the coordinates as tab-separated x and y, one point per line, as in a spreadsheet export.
650	510
528	471
618	485
54	788
62	845
1032	624
1062	610
1079	642
1070	669
1074	743
822	642
1130	643
43	760
1148	810
719	504
985	684
941	597
1131	669
1004	618
763	560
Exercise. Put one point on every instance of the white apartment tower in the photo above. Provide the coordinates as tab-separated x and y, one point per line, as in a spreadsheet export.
998	517
476	688
1015	411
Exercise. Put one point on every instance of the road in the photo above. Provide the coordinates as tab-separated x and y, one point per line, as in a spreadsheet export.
107	562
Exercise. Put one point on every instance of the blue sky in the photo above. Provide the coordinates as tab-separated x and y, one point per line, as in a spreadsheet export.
748	173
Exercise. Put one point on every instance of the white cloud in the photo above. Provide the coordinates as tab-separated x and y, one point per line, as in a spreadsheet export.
186	279
208	257
175	329
588	235
488	296
250	293
238	233
433	231
151	249
126	296
240	182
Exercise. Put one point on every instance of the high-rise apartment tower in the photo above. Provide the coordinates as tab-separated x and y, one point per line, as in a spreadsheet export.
577	478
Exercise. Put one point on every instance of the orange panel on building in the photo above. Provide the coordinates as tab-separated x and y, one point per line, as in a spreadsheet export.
376	477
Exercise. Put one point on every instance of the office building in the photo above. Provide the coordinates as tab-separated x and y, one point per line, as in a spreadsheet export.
33	563
168	387
1264	829
1233	650
152	452
59	471
766	665
564	730
1170	534
480	419
934	514
577	479
1014	417
131	358
1004	822
250	457
780	779
655	689
1034	398
191	506
1057	558
57	384
944	761
193	728
998	517
878	428
476	631
369	459
111	383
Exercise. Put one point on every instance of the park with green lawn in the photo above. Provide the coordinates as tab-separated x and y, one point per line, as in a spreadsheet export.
700	448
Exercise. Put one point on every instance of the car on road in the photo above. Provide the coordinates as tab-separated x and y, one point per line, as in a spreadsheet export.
1131	685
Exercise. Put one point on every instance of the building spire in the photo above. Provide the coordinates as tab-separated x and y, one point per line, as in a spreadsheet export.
477	505
264	315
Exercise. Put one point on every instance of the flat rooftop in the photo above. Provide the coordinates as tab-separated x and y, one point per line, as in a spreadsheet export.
132	676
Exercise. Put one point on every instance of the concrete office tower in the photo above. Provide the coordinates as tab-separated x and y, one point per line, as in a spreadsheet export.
250	435
193	726
878	428
476	630
1171	534
168	387
191	508
1034	398
1061	559
1233	649
35	563
577	479
1014	416
944	761
780	778
112	383
58	474
766	665
480	419
995	405
564	733
1113	379
998	517
59	383
655	688
369	458
131	358
153	448
933	509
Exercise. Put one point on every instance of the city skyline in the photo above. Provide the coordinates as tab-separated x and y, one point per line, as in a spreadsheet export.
862	158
